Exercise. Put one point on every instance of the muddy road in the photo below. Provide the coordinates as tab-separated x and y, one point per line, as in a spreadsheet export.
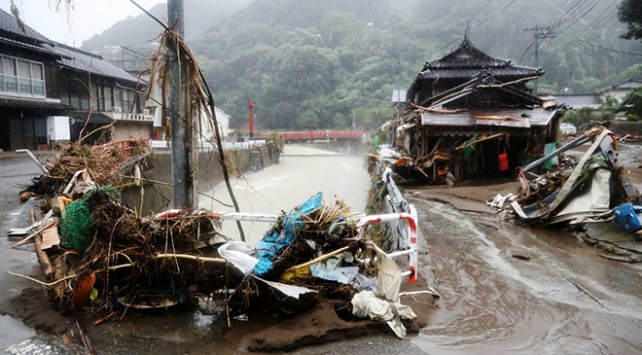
563	300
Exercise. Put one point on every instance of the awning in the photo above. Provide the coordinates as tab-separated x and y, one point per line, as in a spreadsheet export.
34	104
99	118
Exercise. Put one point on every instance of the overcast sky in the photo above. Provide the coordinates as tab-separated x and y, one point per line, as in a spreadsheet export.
87	18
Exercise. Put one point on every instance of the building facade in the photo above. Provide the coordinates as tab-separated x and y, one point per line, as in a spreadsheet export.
51	93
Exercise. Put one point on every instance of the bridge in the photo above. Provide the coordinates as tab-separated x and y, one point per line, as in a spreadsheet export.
311	136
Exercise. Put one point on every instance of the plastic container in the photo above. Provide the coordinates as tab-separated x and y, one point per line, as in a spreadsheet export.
627	217
503	162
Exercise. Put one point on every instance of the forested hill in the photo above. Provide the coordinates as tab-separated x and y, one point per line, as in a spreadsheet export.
316	64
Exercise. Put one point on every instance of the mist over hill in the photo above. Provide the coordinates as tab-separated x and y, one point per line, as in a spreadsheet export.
312	64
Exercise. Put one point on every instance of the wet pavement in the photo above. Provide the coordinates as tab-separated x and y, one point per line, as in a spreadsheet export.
564	300
15	172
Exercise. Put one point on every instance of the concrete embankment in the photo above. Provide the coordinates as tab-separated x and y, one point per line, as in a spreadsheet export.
157	193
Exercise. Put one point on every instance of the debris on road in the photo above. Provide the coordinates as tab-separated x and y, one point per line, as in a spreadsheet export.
582	193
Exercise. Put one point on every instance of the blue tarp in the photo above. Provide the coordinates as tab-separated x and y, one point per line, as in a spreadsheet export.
283	234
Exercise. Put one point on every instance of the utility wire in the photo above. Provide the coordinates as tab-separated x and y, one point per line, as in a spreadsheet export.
609	49
286	13
230	18
149	14
502	30
592	4
495	14
608	13
597	2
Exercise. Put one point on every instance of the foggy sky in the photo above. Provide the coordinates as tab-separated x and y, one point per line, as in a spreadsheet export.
87	18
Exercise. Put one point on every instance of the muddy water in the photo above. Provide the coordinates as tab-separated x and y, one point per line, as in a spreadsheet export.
564	300
301	173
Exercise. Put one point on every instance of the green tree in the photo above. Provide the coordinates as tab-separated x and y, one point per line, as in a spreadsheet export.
632	104
630	12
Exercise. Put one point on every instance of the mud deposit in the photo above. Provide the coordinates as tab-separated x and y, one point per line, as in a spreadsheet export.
563	300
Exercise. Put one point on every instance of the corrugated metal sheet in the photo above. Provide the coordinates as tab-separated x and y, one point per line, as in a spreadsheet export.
398	95
520	118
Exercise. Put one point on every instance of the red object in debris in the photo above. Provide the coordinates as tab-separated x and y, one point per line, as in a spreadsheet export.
503	162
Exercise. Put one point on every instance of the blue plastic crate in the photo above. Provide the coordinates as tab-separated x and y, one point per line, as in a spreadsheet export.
627	217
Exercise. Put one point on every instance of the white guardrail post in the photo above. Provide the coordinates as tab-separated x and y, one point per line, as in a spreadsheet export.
411	223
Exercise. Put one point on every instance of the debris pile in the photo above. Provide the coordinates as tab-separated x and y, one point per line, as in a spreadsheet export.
107	165
100	255
585	192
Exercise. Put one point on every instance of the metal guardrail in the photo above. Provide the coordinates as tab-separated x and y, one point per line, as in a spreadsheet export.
410	230
206	145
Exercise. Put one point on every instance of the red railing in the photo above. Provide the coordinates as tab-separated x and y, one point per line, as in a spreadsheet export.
125	146
315	135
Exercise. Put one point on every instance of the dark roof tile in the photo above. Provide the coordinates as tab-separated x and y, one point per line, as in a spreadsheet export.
78	59
9	23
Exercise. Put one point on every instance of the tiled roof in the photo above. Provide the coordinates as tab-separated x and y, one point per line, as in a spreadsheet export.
488	85
467	61
463	73
9	23
32	47
577	101
77	59
34	104
629	84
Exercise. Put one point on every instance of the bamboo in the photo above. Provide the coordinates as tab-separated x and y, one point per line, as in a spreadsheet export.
317	260
479	140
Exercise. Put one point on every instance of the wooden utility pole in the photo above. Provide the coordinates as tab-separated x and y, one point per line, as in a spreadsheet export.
540	33
183	157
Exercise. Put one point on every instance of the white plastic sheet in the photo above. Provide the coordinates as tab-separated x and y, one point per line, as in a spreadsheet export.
238	253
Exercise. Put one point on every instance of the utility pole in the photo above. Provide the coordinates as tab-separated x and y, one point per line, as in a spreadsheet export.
250	106
183	162
540	33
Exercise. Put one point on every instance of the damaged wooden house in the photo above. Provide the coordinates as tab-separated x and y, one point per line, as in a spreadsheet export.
470	115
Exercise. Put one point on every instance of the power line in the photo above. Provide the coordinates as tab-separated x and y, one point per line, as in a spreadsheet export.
230	18
592	6
493	15
595	24
502	30
582	16
286	13
609	49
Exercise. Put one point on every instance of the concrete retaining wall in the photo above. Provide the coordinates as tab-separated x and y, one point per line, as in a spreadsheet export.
157	196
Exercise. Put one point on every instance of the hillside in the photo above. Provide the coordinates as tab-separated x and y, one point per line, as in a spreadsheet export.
319	64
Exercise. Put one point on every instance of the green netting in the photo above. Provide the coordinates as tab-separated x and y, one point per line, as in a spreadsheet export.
469	151
77	225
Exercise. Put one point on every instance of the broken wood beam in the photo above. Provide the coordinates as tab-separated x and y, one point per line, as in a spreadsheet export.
42	256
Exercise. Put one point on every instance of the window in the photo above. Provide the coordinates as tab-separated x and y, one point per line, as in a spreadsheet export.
109	98
22	77
127	99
